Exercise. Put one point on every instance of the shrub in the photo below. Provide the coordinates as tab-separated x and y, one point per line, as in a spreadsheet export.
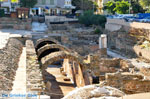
2	14
98	31
88	18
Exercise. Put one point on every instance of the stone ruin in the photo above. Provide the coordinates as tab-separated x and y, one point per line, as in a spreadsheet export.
99	68
114	77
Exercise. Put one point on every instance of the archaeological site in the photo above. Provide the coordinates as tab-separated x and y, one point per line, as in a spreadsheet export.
71	61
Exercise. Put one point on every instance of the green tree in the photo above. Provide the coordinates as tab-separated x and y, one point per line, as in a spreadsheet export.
84	4
122	7
89	18
136	7
109	6
28	3
145	4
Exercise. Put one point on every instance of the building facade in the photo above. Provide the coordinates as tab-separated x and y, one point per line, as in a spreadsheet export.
53	7
9	6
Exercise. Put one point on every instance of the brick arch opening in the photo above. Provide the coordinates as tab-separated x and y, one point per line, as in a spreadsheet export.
79	74
44	41
47	52
43	51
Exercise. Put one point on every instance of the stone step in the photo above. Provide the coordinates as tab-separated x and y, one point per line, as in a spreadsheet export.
8	22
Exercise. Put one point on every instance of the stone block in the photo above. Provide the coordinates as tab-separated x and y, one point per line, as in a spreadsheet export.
145	71
129	83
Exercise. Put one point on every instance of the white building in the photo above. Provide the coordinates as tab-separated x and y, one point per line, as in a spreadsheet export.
53	7
8	6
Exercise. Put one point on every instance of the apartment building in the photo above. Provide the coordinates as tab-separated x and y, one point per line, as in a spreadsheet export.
54	7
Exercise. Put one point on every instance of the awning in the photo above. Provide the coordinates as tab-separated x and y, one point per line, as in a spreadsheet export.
69	7
35	8
46	7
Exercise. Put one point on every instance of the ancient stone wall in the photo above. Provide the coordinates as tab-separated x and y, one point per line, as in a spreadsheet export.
128	38
128	83
14	23
34	74
114	24
9	58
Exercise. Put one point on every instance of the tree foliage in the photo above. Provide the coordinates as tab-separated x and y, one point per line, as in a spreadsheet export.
28	3
136	7
122	6
84	4
88	18
110	6
145	4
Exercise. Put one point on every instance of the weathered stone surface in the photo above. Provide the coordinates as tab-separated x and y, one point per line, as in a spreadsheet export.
52	46
142	52
9	58
15	23
93	91
145	71
34	74
129	83
43	41
61	55
103	65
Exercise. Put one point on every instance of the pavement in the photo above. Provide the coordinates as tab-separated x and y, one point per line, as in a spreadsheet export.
39	27
59	87
19	84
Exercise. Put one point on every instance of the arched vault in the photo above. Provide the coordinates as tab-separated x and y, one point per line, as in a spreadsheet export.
47	49
43	41
53	57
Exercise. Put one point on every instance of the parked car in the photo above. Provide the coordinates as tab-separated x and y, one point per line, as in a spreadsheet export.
70	15
129	18
109	16
118	17
146	20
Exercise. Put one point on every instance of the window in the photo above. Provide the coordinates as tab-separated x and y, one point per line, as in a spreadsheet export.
51	2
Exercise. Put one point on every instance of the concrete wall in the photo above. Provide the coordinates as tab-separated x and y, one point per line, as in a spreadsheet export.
125	37
115	24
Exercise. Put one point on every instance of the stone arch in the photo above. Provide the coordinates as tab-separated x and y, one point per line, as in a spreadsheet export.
43	41
49	59
81	79
47	49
